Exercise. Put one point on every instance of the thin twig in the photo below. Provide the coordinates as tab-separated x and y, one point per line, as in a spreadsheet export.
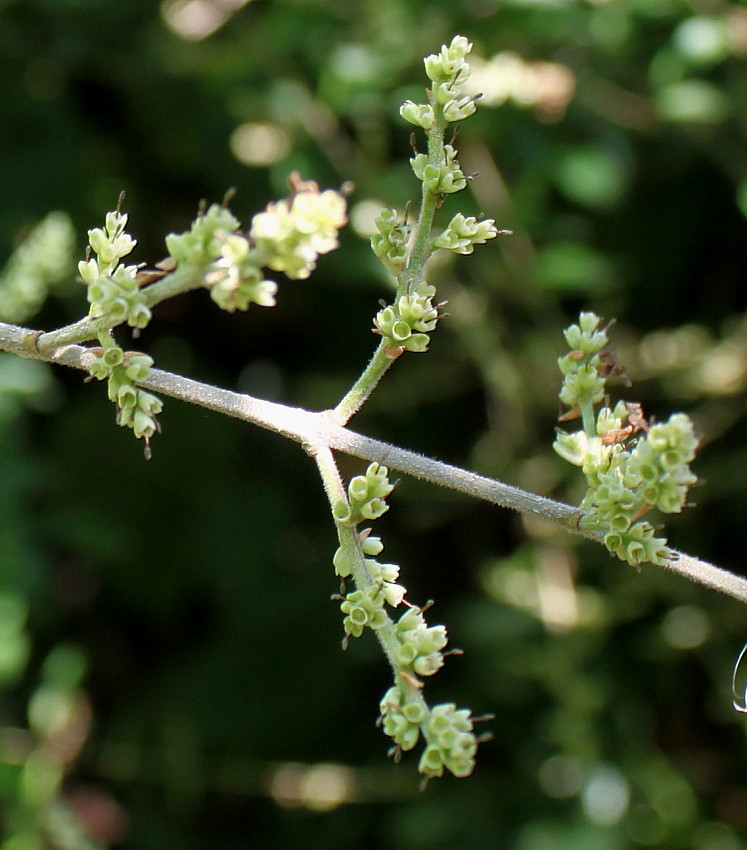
320	429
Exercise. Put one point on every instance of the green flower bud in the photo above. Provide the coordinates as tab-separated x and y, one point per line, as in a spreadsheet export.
417	343
414	713
401	718
407	653
459	109
342	512
138	316
463	234
143	424
432	639
584	385
201	245
431	764
440	179
89	271
390	244
411	619
373	509
149	403
138	366
638	545
449	63
584	336
400	331
115	223
419	114
358	488
113	356
127	395
427	665
363	608
125	279
393	593
572	447
98	369
99	291
371	545
117	308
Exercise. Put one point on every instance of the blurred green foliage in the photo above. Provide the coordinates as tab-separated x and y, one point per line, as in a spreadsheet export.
611	138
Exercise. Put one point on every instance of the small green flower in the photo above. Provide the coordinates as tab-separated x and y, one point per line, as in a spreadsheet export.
363	608
419	114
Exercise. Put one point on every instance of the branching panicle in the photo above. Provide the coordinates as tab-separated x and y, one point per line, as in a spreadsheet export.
403	248
631	467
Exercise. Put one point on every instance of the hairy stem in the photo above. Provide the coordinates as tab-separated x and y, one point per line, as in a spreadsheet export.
356	397
321	429
414	271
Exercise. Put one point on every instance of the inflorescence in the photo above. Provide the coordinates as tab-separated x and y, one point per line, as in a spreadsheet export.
113	290
631	467
406	324
288	236
415	650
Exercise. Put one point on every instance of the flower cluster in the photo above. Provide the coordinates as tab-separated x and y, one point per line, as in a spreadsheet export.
463	233
366	495
404	249
406	324
288	236
448	731
414	648
365	607
448	70
136	408
439	169
232	270
202	244
113	289
291	234
375	582
630	467
390	244
451	742
443	177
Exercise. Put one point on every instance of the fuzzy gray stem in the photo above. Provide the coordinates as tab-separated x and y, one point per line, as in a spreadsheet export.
320	429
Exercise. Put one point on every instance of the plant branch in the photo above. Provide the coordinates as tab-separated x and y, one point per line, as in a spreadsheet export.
407	280
366	383
348	537
183	279
320	429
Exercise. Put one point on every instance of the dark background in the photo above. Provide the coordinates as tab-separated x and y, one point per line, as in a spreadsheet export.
218	709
